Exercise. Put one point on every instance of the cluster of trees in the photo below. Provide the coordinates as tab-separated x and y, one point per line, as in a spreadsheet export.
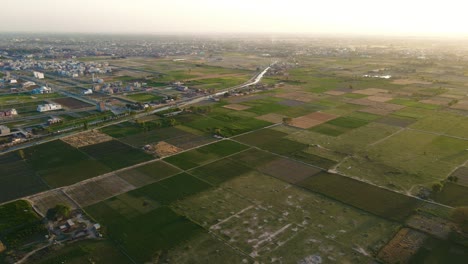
60	211
200	109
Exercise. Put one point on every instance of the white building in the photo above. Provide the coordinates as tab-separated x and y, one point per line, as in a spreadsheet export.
89	91
48	107
38	75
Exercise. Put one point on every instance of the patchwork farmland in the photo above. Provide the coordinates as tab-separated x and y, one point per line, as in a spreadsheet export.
315	164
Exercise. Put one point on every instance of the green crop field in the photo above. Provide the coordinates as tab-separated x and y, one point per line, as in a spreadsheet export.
361	195
171	189
145	97
19	225
407	159
144	235
60	164
17	178
220	171
115	154
82	252
453	194
205	154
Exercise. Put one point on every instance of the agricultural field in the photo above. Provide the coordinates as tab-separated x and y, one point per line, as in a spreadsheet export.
20	226
60	164
81	252
144	97
72	103
148	173
18	178
205	154
323	161
146	208
115	154
266	218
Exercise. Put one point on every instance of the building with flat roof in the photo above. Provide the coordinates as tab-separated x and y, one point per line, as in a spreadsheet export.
4	130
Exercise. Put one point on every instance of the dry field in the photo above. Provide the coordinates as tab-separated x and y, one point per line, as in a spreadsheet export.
437	101
45	201
96	190
461	105
288	170
163	149
403	246
435	226
298	96
313	119
334	92
87	138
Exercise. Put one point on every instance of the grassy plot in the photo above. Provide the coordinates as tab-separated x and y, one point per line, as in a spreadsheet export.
204	248
144	97
143	236
453	194
412	103
408	158
220	171
171	189
17	178
122	130
362	195
115	154
261	137
82	252
205	154
19	225
147	137
259	215
60	164
228	125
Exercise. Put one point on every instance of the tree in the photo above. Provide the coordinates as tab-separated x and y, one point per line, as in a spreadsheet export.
287	120
21	154
437	187
60	211
460	218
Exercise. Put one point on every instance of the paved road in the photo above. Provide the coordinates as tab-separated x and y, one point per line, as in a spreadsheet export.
188	101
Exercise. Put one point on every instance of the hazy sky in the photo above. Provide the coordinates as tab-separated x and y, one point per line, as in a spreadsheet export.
395	17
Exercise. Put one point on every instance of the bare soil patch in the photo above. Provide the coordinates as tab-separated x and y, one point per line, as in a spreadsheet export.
45	201
87	138
335	92
97	190
163	149
462	105
237	107
298	96
437	101
311	120
403	246
72	103
288	170
380	99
